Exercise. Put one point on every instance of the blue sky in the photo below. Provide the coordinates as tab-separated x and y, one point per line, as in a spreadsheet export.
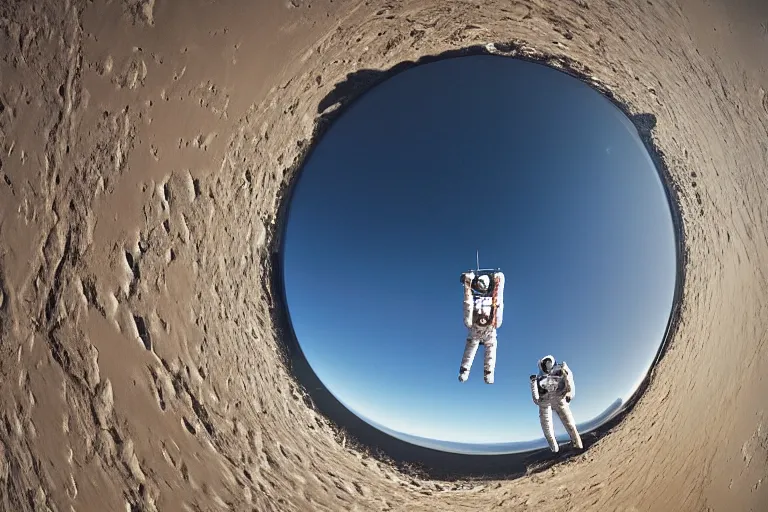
537	171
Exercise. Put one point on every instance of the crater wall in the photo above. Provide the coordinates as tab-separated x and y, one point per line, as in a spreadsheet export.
146	149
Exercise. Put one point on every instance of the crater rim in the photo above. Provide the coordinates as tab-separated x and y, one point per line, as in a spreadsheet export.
352	431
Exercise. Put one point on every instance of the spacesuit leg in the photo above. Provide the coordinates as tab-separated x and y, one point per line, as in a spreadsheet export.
469	355
490	359
564	411
545	418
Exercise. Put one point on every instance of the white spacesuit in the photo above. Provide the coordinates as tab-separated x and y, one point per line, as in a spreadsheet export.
483	314
554	388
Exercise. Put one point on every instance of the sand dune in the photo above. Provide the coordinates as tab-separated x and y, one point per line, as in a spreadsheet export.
146	148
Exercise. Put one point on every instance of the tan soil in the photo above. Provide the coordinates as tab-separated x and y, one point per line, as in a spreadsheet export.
166	129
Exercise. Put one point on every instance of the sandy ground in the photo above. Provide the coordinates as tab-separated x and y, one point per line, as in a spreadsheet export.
145	148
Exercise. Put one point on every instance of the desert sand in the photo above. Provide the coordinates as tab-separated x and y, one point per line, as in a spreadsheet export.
146	148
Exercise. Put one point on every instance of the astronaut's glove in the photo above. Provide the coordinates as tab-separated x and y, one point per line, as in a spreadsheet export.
467	277
533	378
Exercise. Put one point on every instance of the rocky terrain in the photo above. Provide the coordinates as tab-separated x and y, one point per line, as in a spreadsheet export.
146	146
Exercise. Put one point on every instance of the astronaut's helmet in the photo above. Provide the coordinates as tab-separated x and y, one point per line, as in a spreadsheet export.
482	283
546	363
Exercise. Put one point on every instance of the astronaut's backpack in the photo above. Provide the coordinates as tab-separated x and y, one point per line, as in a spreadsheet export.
490	292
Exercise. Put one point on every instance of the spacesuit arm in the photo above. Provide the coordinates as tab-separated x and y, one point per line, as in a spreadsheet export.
535	390
570	385
468	303
499	299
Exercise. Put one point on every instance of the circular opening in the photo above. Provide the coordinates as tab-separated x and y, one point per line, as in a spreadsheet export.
538	173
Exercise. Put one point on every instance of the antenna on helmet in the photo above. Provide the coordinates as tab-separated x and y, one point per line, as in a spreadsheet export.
477	256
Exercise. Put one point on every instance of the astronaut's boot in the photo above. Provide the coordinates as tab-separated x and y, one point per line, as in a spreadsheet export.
463	374
489	376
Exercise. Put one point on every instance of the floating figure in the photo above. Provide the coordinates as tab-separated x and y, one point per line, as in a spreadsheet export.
483	314
554	388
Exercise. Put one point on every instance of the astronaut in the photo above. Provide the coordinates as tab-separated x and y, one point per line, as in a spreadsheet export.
483	314
554	388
